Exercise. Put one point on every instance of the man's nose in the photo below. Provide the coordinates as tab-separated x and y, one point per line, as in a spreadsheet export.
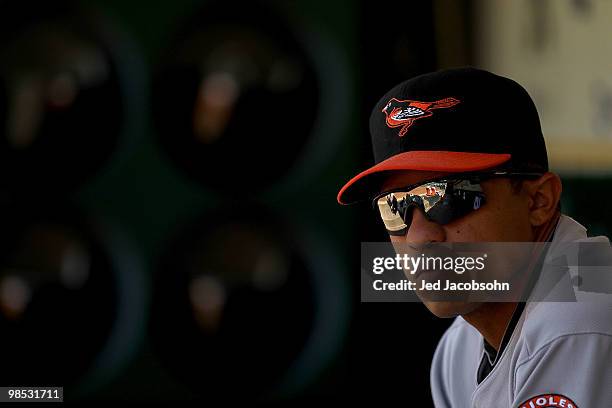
422	230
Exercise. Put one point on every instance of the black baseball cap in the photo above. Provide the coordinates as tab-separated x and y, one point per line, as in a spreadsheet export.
456	121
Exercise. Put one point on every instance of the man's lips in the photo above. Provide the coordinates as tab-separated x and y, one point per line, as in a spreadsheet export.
422	271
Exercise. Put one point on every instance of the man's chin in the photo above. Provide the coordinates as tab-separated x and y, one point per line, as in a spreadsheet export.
446	309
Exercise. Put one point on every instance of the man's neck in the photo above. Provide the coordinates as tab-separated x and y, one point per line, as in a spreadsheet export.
491	320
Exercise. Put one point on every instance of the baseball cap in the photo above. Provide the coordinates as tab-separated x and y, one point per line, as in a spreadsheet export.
455	121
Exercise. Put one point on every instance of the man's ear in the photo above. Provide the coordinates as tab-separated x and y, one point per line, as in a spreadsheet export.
544	195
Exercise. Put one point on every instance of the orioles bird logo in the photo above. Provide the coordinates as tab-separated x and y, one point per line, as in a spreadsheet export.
404	113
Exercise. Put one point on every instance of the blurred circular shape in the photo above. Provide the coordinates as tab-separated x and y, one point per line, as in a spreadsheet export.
52	327
237	98
245	310
63	105
15	295
62	298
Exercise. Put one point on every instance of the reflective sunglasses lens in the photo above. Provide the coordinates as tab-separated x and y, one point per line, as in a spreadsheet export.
393	211
442	202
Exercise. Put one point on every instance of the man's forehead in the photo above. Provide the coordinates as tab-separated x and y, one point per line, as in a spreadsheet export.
397	179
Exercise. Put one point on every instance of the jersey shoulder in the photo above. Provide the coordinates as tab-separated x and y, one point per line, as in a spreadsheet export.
453	369
459	349
548	321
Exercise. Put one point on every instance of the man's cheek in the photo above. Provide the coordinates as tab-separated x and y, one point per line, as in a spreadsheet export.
396	238
464	231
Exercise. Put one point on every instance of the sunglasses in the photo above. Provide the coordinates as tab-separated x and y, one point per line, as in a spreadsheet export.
442	201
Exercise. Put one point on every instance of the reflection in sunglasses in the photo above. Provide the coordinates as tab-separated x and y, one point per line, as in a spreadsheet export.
441	201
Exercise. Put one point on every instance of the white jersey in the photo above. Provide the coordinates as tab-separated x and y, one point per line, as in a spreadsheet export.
558	355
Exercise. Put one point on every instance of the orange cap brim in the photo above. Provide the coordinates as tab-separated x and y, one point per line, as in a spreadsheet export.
368	182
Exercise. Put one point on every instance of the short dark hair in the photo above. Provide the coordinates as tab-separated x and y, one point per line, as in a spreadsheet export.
517	185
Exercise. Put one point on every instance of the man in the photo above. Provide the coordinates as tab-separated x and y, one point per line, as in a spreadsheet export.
476	138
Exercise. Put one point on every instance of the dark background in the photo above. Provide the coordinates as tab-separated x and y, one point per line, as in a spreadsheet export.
150	257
